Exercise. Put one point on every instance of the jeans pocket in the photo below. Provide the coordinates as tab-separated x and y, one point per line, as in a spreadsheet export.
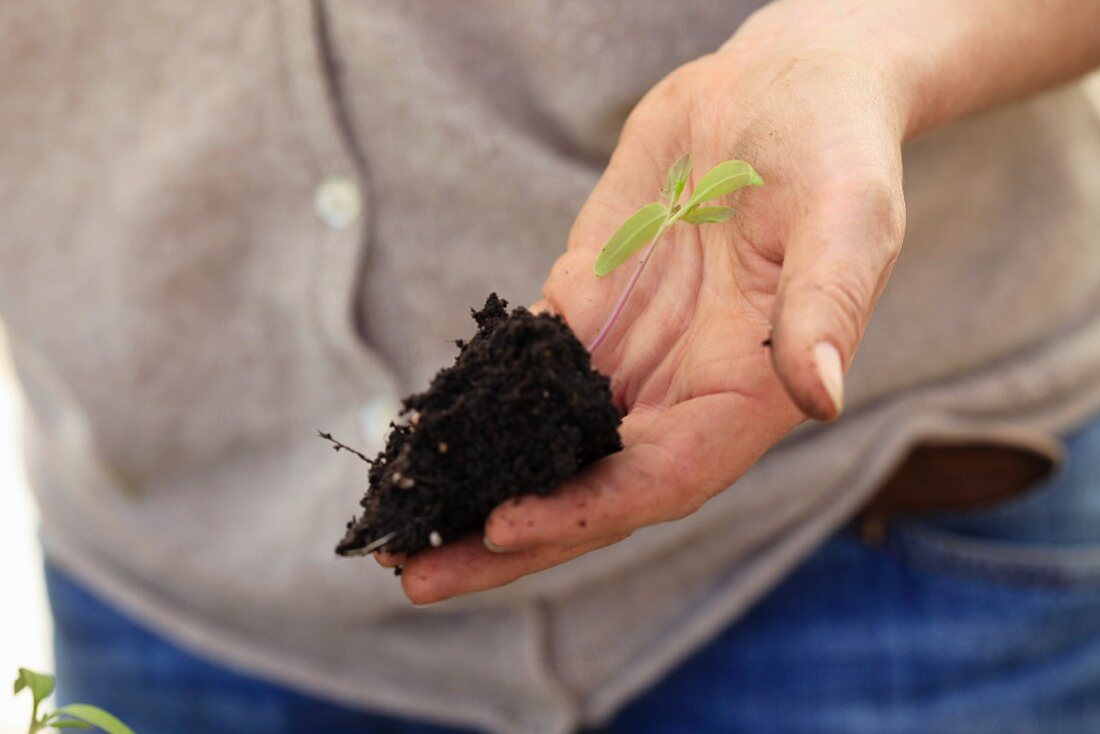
1049	536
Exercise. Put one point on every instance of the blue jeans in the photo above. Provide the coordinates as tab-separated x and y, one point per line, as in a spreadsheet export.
986	622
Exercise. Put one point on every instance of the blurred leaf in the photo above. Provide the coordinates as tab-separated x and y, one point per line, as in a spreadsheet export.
723	179
676	179
39	684
708	214
641	227
70	724
95	716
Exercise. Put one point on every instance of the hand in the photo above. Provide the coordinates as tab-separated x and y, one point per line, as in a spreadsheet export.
803	263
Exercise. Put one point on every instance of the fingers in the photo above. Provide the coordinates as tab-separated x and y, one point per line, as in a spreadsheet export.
389	560
675	460
541	306
835	266
467	566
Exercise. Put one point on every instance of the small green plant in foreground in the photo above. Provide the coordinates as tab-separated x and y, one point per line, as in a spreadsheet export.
73	716
648	224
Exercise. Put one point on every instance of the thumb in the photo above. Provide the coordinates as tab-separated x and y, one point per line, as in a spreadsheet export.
836	262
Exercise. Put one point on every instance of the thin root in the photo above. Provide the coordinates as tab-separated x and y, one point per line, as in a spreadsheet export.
337	446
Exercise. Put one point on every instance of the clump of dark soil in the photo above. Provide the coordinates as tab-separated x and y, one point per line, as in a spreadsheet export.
520	411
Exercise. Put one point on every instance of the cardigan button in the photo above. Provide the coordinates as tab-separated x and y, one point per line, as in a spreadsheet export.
375	416
337	201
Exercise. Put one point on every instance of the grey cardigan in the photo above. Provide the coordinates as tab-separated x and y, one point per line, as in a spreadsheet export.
214	242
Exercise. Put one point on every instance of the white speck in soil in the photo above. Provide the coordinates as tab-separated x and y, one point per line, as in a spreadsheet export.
435	539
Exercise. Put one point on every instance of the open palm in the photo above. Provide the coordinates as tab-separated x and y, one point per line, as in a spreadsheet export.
802	263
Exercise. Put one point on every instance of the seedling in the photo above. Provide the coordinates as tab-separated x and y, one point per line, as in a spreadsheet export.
647	225
72	716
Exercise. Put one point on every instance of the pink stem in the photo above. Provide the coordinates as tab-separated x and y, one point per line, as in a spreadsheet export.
620	305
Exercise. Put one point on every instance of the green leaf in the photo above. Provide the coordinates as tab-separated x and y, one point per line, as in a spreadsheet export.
723	179
39	684
708	214
638	230
95	716
676	179
52	721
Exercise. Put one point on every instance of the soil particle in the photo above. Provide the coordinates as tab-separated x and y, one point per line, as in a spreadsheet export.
520	410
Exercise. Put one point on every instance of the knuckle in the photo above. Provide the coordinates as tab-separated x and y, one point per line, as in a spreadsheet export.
877	205
885	213
851	297
672	91
867	193
838	304
866	221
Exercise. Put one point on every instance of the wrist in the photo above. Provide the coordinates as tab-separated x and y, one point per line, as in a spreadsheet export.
941	59
861	40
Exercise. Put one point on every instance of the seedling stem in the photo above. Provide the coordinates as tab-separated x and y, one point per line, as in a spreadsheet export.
647	226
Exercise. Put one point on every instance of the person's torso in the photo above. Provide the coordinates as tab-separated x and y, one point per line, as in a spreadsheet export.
190	292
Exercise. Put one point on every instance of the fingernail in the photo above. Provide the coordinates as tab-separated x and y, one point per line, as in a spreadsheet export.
830	372
493	547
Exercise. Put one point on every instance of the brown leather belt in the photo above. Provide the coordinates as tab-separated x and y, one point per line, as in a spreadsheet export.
938	477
